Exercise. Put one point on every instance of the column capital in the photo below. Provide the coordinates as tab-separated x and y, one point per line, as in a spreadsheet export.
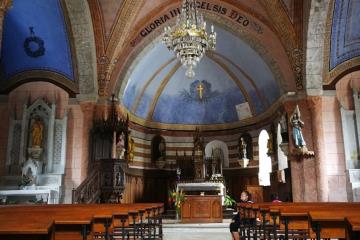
314	103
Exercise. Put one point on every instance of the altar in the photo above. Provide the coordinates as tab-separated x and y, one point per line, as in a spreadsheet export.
46	196
202	202
207	188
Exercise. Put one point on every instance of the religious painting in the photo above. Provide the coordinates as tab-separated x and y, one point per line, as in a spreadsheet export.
200	91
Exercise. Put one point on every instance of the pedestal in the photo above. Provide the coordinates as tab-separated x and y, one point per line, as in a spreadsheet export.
244	162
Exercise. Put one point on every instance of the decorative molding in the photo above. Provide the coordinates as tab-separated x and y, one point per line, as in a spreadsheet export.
120	32
288	37
160	90
261	119
6	85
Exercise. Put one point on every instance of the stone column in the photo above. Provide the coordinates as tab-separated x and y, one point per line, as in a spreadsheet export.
315	105
4	6
87	109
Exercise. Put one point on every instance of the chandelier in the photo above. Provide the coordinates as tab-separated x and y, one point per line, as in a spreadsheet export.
188	38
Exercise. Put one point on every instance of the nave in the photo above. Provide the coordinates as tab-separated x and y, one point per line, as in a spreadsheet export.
179	119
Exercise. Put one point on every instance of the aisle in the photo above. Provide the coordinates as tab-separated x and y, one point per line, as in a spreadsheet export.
218	231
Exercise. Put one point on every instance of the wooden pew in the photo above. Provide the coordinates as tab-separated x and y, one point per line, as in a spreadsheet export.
70	221
331	223
352	229
294	217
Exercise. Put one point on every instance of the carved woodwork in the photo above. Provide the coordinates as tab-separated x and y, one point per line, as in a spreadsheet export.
102	134
201	209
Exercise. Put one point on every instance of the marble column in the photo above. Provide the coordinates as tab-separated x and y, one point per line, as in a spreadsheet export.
4	6
315	105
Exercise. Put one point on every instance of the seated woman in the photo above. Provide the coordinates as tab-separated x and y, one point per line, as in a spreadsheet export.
235	222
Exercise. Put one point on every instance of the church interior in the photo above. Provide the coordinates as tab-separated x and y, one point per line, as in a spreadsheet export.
175	108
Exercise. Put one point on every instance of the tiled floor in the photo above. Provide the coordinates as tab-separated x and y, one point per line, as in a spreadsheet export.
196	231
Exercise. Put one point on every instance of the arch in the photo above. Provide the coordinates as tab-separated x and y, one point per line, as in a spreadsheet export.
315	36
84	42
158	148
217	144
264	159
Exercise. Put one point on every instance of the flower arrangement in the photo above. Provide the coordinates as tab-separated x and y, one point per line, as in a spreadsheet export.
176	198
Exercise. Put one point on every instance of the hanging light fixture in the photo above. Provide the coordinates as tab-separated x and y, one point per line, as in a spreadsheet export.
188	38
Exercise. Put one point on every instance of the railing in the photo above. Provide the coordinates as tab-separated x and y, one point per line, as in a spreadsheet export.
105	183
89	191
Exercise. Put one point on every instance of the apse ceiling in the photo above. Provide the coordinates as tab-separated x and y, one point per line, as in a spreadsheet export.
232	83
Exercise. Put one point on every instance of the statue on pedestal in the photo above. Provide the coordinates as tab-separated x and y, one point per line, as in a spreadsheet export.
36	139
243	146
298	138
243	161
120	146
297	124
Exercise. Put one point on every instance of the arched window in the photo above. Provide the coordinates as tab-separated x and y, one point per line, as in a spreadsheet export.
264	159
158	148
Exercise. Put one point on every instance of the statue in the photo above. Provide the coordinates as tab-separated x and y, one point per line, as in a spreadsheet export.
120	146
178	174
243	161
131	147
162	148
37	133
297	124
243	146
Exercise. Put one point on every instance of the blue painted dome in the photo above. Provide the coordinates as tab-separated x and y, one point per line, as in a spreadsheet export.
232	83
35	37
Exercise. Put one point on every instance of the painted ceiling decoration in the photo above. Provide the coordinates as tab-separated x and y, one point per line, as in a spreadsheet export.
344	37
229	78
113	21
32	43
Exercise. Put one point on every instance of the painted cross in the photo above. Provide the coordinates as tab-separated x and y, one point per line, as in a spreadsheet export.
200	89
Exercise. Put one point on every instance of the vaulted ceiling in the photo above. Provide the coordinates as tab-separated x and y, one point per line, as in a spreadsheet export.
252	67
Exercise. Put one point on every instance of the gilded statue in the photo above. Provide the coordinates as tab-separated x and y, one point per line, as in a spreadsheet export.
37	133
131	148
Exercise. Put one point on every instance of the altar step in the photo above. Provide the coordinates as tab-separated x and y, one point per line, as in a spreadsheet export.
171	214
208	231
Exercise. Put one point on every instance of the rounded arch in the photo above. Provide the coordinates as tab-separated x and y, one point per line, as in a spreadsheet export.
84	43
264	160
217	144
61	82
345	89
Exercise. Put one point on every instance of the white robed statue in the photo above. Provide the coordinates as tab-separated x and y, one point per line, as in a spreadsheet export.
297	124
